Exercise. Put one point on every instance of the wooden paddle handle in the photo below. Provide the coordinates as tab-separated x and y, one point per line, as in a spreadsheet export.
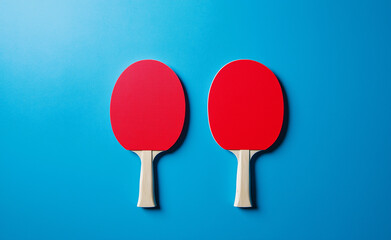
242	196
146	193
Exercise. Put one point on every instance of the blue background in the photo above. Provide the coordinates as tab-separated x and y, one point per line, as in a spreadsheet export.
63	175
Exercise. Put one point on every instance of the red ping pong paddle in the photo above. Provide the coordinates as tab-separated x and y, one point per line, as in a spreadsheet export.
147	113
245	110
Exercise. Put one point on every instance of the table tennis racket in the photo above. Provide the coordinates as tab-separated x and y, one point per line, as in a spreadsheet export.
245	110
147	113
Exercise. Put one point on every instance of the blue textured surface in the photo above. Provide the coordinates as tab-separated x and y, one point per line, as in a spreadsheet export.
63	175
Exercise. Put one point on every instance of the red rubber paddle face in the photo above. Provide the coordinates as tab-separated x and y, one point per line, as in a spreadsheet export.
245	106
147	107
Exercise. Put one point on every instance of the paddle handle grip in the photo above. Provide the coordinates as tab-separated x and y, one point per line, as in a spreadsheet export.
242	196
146	196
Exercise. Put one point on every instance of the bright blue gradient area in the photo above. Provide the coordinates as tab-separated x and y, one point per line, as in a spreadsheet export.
63	175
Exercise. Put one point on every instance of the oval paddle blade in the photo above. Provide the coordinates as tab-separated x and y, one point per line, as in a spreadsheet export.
147	109
245	106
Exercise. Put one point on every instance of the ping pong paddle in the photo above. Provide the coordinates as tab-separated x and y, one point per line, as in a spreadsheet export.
147	113
245	110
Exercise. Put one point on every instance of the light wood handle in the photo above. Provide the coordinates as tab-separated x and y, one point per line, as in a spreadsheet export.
242	196
146	193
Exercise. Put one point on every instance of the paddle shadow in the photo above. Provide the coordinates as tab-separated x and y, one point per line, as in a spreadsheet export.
276	144
177	144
